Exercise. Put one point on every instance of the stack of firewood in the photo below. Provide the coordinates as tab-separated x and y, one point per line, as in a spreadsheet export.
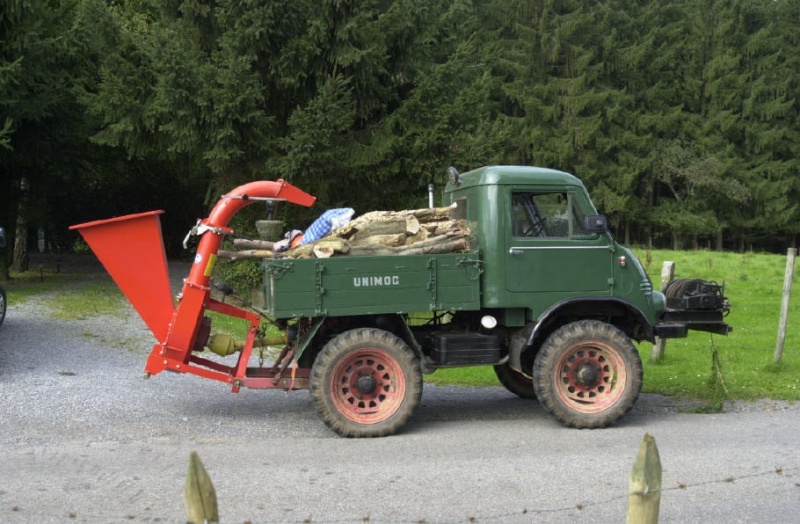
410	232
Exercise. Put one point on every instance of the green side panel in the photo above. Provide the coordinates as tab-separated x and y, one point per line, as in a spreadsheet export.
347	285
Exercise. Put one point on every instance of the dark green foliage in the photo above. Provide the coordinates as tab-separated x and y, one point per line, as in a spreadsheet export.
681	116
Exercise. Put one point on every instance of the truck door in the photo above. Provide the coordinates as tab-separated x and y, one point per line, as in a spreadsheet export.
549	251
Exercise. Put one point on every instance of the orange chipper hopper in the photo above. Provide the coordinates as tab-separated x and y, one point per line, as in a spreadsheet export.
132	251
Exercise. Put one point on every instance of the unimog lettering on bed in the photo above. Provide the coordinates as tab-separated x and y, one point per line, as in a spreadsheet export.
544	294
389	280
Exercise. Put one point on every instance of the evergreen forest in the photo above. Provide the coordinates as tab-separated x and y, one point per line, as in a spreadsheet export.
680	116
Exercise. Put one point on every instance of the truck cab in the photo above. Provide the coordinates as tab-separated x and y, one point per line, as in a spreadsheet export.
545	248
552	271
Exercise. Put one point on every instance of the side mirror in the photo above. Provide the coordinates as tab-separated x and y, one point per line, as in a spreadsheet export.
595	223
2	237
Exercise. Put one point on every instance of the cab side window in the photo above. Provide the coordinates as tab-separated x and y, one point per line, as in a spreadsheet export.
545	215
523	215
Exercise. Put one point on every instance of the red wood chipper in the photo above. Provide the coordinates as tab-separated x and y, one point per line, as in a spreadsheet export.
132	250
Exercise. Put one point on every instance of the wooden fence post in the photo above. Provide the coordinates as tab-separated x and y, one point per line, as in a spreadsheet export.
667	274
201	498
787	293
644	495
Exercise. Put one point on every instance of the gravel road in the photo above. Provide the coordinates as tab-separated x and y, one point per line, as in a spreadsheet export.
84	438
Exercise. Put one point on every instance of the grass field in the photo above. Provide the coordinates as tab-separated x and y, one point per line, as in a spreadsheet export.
753	283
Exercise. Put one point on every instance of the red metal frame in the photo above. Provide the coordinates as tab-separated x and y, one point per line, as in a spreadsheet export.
177	328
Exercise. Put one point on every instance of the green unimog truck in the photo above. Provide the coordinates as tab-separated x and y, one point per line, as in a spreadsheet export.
544	294
538	289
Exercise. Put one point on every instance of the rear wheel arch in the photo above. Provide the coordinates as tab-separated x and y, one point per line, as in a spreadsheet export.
334	326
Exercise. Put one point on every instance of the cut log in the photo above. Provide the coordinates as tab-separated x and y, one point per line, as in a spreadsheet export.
392	226
431	241
378	220
455	245
394	240
246	243
323	251
412	225
248	253
325	245
433	213
415	231
440	244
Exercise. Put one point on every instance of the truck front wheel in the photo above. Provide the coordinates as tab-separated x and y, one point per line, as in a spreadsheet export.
366	383
588	374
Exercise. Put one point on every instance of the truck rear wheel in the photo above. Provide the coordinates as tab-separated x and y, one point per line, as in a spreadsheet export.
366	383
518	383
588	374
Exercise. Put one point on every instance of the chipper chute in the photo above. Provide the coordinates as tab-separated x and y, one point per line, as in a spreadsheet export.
132	251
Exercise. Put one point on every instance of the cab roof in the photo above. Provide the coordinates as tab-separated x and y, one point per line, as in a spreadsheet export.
513	175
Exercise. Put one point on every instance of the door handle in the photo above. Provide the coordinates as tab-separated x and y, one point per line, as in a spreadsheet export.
514	251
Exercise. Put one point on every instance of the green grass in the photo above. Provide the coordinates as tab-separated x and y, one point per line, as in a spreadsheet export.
34	283
94	299
754	286
753	283
66	296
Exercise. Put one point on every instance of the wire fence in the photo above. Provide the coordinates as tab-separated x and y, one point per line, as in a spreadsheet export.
521	514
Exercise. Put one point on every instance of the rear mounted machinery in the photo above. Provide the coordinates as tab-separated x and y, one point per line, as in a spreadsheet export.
132	250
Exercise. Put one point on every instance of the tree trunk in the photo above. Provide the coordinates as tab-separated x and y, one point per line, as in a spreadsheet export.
4	275
20	262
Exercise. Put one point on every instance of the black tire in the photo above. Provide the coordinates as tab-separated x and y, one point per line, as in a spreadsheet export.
518	383
366	383
587	374
3	305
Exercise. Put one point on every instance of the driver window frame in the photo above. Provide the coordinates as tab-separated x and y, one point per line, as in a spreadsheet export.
527	214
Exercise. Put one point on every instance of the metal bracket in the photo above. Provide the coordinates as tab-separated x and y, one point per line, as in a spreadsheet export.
319	269
306	340
277	269
473	268
432	284
201	228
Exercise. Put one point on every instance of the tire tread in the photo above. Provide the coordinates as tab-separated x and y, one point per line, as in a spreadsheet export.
548	356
